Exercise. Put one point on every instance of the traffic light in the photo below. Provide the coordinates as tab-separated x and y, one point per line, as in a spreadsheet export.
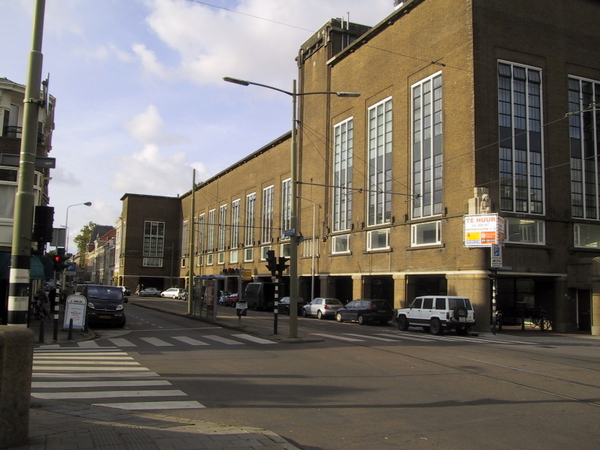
60	260
271	262
281	265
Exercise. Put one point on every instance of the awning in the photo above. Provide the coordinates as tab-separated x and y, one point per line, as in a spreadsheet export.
42	268
4	265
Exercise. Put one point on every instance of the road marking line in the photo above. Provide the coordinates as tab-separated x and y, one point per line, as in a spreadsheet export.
87	363
156	342
146	406
222	340
122	342
94	375
88	344
95	368
253	339
107	394
334	336
189	340
408	338
383	339
98	383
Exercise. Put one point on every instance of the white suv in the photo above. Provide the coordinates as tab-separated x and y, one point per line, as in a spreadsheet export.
436	312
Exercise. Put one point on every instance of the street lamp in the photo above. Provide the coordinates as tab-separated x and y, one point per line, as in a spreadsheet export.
64	275
67	222
293	233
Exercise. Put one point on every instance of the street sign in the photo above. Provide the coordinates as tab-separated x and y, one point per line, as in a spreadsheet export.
496	256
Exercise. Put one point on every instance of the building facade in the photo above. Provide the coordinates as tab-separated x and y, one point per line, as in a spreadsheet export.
467	107
11	127
147	242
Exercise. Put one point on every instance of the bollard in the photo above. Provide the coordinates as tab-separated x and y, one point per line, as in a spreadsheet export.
56	313
70	329
16	359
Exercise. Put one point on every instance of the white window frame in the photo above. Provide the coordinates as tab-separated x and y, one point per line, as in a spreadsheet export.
379	158
418	231
427	155
286	207
343	154
267	215
374	238
520	118
340	244
586	235
525	231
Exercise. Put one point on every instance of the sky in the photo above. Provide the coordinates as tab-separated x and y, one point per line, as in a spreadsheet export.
140	96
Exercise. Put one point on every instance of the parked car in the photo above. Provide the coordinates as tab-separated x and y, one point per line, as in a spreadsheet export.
321	307
105	304
172	293
284	305
436	312
126	291
149	292
231	300
364	311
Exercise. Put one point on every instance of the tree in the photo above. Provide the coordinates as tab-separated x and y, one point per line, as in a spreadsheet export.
83	238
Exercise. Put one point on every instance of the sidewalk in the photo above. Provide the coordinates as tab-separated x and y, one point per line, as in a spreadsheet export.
63	425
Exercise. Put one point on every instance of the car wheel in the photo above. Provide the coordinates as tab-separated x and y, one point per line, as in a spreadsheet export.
436	326
304	313
319	315
360	319
338	317
402	323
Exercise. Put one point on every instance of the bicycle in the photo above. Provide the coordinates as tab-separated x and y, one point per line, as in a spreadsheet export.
538	320
37	310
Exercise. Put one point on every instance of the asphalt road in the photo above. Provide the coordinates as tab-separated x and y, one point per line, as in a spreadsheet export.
347	386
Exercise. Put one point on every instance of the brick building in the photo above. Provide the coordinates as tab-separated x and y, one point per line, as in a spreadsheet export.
466	107
147	242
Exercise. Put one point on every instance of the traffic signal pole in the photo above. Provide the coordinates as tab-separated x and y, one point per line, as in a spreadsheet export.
20	267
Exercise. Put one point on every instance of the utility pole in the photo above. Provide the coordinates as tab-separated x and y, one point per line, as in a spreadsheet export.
18	291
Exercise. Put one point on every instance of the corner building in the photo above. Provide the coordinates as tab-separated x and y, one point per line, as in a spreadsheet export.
466	107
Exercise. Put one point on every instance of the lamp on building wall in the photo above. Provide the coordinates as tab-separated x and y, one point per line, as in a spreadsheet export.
293	232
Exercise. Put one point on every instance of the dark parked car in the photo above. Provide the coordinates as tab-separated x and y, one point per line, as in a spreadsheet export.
364	311
284	305
105	304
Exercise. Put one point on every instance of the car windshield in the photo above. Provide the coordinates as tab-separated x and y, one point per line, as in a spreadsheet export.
380	304
454	303
105	292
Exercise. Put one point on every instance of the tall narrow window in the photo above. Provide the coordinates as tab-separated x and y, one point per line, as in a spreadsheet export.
222	228
234	241
267	215
286	206
427	146
185	231
249	225
343	148
379	201
154	243
584	129
200	245
521	142
210	236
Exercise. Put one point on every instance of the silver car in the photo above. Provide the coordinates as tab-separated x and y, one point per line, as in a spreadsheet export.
322	307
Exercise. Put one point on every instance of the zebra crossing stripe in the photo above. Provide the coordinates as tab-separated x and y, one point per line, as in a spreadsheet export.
222	340
189	340
107	394
98	383
147	406
122	342
405	337
156	342
341	338
253	339
94	375
382	339
94	368
41	362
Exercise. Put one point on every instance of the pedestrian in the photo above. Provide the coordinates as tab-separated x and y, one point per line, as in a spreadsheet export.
52	298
